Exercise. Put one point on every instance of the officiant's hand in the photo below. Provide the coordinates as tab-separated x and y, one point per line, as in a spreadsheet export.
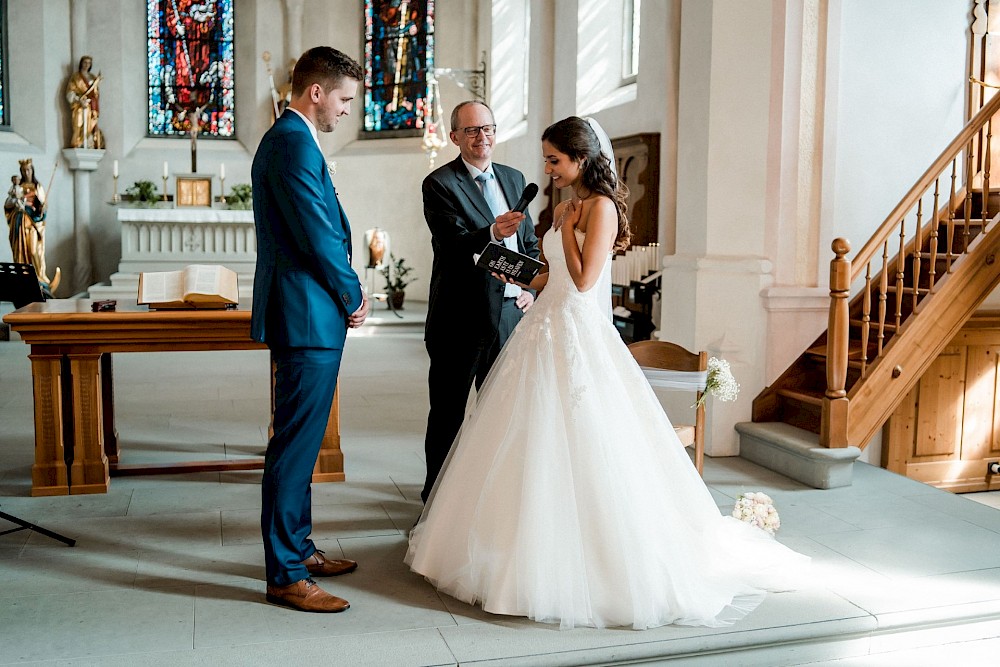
507	280
507	224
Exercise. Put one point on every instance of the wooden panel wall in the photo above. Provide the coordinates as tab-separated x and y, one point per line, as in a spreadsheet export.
947	429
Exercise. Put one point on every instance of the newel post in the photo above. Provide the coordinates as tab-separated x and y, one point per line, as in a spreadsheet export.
833	429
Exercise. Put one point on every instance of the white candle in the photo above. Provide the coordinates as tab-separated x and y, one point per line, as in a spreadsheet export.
222	171
166	170
114	169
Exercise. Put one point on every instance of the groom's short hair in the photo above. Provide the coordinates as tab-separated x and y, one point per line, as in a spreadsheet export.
326	66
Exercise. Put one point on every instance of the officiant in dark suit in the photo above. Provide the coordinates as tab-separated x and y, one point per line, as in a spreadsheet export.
470	314
305	297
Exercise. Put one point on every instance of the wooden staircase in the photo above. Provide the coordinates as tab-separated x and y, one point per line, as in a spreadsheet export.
933	261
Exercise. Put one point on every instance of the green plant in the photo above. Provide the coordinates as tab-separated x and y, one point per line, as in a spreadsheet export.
241	196
395	272
143	192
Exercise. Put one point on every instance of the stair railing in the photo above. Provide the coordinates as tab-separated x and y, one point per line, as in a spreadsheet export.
974	143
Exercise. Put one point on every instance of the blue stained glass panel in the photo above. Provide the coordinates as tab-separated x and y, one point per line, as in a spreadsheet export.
191	67
399	54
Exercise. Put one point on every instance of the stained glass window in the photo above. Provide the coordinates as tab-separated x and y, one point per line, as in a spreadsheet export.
190	59
399	53
4	88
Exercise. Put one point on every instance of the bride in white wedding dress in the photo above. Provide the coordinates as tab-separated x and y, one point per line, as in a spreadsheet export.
567	497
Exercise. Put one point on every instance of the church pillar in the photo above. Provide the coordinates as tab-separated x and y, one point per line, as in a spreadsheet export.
293	19
82	161
713	282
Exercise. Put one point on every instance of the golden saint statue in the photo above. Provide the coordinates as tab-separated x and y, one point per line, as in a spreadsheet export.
84	97
24	209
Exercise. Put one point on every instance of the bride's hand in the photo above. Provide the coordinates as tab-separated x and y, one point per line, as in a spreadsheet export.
571	216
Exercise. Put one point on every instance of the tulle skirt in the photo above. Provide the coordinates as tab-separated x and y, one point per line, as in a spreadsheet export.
568	498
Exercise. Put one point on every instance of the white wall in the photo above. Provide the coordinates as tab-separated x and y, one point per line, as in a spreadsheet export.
901	100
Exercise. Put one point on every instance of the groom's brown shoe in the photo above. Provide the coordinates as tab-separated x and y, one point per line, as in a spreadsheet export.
321	566
306	595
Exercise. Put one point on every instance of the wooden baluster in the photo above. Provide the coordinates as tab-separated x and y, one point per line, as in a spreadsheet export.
883	291
900	273
968	205
833	428
933	241
918	248
950	231
866	318
986	174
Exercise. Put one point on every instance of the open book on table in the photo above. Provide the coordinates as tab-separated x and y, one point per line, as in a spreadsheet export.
498	258
194	286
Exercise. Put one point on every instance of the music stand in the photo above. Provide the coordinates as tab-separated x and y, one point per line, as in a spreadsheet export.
24	525
19	284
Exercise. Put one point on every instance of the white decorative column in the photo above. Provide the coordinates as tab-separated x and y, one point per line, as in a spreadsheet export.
293	19
713	283
82	161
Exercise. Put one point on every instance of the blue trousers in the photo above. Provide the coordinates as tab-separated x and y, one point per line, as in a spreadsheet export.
304	384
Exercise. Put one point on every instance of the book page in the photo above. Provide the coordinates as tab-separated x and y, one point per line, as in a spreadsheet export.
210	282
161	286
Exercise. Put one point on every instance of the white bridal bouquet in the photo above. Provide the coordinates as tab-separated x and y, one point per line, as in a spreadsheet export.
720	382
757	509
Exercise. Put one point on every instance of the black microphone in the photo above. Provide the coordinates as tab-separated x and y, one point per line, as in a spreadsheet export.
530	190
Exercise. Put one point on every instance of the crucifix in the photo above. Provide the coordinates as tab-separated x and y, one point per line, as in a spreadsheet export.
193	116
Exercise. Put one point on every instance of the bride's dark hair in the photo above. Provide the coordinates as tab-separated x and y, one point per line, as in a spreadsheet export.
575	138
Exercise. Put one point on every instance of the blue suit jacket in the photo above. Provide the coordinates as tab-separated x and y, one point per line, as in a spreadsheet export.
304	287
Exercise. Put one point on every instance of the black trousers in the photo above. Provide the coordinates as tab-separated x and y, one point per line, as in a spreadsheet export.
454	366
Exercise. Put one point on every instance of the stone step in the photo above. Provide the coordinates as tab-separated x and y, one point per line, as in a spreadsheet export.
796	453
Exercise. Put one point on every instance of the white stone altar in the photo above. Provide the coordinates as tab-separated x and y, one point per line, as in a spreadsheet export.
167	239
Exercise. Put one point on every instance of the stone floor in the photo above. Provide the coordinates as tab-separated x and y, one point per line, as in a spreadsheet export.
168	569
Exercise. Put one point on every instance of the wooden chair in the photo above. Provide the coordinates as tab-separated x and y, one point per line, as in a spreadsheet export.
660	355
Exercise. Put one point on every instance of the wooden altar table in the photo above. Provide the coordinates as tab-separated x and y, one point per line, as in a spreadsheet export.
73	387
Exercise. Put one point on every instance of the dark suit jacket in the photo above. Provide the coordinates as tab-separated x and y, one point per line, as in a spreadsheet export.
465	300
304	287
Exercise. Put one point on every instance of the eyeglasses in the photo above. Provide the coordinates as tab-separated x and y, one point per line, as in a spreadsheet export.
488	130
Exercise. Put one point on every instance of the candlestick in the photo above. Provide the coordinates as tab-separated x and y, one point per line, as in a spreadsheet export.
164	197
116	197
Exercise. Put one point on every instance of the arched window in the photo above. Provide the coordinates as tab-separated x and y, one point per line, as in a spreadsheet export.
190	59
399	52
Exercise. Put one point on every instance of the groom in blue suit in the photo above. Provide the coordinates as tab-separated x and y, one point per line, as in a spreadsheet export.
305	297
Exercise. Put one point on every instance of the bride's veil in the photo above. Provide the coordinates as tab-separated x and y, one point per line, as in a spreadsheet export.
606	148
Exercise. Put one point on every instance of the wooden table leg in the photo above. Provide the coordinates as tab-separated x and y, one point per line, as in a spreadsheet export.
330	462
111	449
48	474
88	472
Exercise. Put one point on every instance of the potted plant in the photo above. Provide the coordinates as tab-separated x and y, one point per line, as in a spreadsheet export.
395	272
142	193
240	197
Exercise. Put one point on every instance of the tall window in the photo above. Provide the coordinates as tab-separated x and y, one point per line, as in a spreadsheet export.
630	39
190	59
399	52
4	88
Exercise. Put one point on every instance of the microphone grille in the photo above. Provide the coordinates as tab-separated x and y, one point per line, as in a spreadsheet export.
530	191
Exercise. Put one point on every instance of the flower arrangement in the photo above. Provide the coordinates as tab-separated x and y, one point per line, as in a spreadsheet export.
758	510
720	382
142	193
240	197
